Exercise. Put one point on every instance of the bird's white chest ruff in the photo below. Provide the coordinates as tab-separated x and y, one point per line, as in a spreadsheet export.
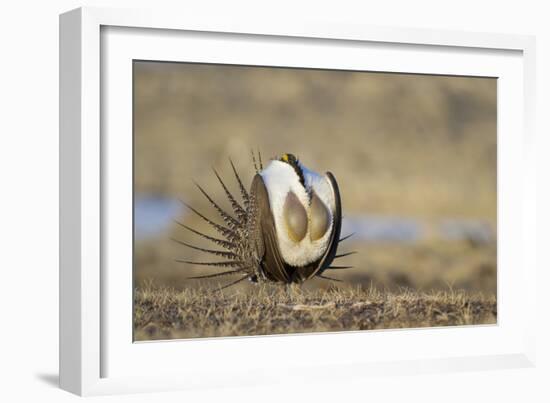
280	179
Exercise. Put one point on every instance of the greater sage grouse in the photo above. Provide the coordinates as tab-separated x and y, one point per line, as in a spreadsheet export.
286	230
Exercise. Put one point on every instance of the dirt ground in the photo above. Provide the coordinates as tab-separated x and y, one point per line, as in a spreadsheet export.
163	313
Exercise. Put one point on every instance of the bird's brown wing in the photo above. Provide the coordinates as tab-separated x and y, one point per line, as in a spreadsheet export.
335	237
265	235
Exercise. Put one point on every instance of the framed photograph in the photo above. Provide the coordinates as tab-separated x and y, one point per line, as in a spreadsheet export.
241	200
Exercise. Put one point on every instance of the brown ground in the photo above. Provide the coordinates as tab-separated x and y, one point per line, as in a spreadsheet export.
164	313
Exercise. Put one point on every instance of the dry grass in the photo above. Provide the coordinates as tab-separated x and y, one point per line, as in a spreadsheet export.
165	313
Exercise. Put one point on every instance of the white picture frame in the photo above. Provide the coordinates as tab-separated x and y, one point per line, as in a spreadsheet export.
96	354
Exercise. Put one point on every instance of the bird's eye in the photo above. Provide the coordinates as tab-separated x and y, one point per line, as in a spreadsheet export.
320	218
295	217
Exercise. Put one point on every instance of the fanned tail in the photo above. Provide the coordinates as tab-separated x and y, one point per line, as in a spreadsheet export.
229	263
237	209
226	232
221	242
329	278
339	267
233	283
230	221
346	237
223	273
227	255
244	193
256	168
345	254
234	236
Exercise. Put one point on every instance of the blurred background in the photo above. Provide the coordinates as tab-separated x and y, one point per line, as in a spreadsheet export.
414	156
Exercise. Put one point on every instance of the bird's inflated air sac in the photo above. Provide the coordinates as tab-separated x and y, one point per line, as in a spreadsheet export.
320	218
295	217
